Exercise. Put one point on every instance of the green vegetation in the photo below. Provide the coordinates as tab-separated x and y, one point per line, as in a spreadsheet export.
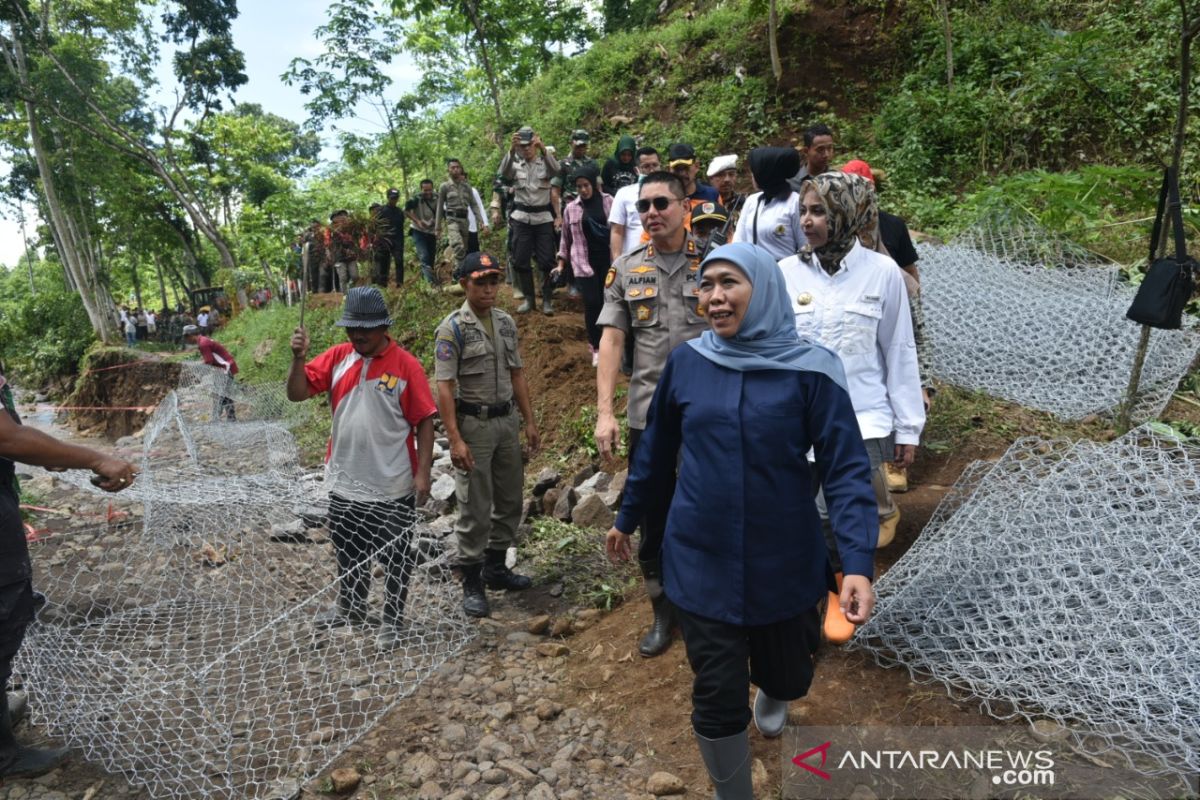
564	553
1061	113
43	335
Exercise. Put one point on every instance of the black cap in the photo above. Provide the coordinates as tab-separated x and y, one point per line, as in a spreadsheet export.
681	152
393	192
525	135
476	265
709	211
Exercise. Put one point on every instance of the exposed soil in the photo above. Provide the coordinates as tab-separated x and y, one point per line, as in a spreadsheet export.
649	700
118	384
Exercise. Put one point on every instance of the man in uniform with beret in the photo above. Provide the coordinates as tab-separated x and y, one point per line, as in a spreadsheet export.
480	379
722	172
652	295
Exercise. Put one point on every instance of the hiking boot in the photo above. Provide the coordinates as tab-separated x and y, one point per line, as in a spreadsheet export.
897	477
525	307
497	575
887	529
475	602
547	307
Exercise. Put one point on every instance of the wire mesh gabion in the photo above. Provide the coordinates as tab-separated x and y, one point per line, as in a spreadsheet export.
183	646
1021	315
1063	582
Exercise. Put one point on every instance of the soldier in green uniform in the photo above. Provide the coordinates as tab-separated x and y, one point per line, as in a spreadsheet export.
651	294
454	197
479	377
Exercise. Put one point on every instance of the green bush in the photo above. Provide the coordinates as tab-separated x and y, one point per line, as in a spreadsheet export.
43	336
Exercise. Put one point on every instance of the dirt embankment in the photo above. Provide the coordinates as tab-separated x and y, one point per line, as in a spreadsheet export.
118	390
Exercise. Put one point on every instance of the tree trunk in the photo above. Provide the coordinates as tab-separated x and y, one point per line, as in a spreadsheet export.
132	144
773	39
947	35
472	12
72	250
25	241
1188	31
162	286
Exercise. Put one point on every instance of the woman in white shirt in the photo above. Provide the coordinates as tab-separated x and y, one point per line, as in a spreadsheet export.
771	216
852	299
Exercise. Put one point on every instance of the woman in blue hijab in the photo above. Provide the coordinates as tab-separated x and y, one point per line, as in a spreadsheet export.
744	560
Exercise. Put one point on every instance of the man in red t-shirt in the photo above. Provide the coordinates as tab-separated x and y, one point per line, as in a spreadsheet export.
376	473
216	356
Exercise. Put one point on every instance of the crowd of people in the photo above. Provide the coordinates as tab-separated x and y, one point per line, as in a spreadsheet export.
167	325
776	395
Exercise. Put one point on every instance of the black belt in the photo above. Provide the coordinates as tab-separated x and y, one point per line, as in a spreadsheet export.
549	209
484	411
456	214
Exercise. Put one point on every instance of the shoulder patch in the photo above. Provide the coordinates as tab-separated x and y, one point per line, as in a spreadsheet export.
610	277
445	350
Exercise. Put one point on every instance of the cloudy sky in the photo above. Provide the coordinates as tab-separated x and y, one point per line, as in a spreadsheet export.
270	34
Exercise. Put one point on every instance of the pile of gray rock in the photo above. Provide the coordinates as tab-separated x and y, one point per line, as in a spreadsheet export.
590	499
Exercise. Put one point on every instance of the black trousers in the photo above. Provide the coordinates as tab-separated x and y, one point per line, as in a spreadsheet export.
654	524
726	659
592	289
533	242
362	532
383	262
16	612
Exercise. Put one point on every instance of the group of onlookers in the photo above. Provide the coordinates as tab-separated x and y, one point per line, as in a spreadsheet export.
147	325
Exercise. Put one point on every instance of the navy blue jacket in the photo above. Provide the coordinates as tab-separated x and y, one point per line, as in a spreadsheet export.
743	543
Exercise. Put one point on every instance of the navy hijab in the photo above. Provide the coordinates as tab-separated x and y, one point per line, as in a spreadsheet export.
766	338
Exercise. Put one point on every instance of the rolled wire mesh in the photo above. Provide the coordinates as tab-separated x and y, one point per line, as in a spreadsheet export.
1063	582
1019	314
189	646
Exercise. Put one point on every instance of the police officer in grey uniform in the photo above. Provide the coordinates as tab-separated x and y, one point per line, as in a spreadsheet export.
651	294
479	376
535	217
454	197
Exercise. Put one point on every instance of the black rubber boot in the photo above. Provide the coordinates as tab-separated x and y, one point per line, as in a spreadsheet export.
475	602
658	639
23	762
497	575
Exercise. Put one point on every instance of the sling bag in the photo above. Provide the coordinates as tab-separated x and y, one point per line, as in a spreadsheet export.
1170	280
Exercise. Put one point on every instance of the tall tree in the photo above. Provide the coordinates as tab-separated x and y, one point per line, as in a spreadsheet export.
206	67
509	41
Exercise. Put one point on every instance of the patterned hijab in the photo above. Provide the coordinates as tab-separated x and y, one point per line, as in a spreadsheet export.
850	212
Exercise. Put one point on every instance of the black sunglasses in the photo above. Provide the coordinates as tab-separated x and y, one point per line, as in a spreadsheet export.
659	203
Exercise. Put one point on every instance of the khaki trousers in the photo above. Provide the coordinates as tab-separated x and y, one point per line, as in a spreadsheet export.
489	496
458	234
